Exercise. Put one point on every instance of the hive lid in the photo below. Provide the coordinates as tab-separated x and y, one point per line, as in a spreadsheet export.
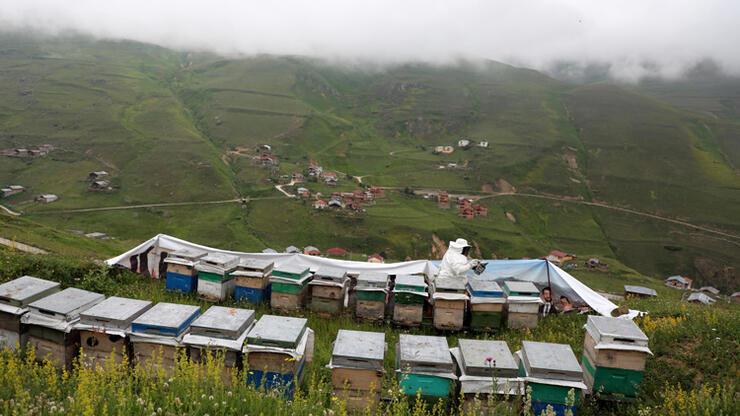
551	361
372	280
475	356
359	349
331	273
513	288
424	353
220	260
24	290
67	304
290	270
188	254
223	322
615	331
262	265
410	280
114	312
169	319
278	331
450	285
485	288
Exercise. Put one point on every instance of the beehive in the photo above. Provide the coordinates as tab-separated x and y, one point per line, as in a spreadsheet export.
614	355
487	300
51	324
409	295
424	365
486	358
252	280
181	275
215	282
357	368
370	294
522	302
276	353
551	370
450	304
328	290
15	296
158	332
220	330
103	329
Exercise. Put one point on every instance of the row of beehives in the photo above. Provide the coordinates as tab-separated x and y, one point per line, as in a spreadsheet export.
290	286
275	349
613	361
61	325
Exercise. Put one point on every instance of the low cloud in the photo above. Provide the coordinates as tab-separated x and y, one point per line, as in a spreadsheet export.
630	38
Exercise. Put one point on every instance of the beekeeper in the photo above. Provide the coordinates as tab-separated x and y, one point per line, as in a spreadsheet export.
455	262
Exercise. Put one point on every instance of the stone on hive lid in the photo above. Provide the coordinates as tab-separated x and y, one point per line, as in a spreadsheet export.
277	331
223	322
359	349
475	356
551	361
114	312
484	288
609	330
67	304
332	274
168	319
424	353
513	288
372	280
24	290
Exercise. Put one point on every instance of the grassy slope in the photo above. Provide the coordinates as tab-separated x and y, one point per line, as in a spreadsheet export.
163	122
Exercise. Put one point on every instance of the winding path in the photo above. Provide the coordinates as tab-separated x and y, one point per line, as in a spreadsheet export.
9	211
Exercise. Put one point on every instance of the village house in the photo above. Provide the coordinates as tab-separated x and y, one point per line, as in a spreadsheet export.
100	186
375	258
311	251
298	177
266	160
711	290
735	297
443	199
303	192
97	235
699	297
678	282
11	190
314	169
265	148
292	250
480	210
46	198
335	203
97	175
354	206
377	192
444	150
466	212
559	257
336	252
483	143
320	204
595	264
631	291
464	143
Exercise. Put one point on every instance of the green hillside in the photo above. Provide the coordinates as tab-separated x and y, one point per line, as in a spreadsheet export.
182	127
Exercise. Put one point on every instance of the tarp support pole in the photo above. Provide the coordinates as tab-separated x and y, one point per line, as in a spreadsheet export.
547	267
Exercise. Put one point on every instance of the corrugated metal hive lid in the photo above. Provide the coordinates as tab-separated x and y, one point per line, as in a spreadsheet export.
25	290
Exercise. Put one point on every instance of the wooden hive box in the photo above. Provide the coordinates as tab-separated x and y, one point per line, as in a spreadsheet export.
291	271
357	362
487	300
220	330
51	324
371	292
409	296
370	310
15	296
522	302
614	355
103	329
450	304
253	273
181	275
158	332
424	363
269	360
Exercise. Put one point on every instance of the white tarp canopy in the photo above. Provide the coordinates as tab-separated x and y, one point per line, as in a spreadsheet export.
540	272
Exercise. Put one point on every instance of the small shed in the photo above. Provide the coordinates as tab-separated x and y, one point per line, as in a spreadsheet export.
639	291
700	297
46	198
678	282
710	290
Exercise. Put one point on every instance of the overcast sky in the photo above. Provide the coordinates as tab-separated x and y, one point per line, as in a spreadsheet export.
671	35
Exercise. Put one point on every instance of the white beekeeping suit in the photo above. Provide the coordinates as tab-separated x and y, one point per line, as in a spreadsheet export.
454	263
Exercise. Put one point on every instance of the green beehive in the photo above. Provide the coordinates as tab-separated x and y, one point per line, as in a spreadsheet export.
370	295
611	380
424	365
485	320
290	271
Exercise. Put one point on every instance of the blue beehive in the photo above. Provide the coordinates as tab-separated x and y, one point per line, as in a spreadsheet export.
181	275
484	288
251	294
168	319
